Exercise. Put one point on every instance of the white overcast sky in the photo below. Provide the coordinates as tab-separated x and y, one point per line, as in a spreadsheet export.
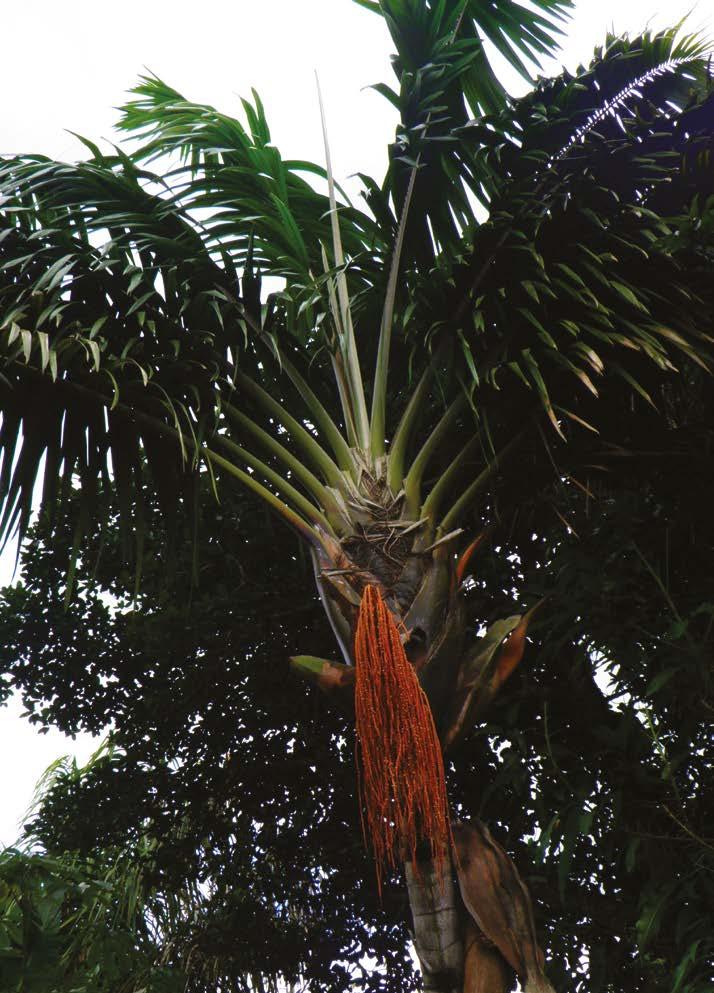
67	66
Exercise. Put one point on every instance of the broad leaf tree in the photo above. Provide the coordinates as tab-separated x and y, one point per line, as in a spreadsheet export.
426	361
601	789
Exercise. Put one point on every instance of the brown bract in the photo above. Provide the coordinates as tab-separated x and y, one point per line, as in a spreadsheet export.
498	901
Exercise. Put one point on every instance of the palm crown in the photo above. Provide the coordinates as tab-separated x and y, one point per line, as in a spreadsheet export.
518	253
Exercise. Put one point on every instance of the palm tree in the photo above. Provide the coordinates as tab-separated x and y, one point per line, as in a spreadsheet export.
395	393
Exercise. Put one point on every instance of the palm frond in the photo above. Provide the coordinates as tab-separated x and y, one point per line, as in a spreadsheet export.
91	328
574	269
119	329
121	305
251	196
444	78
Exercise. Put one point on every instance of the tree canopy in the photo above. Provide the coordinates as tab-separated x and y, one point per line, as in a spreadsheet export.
132	298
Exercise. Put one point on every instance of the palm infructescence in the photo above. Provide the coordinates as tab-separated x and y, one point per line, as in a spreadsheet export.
518	254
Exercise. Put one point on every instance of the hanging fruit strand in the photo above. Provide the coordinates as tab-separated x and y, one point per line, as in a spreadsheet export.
400	766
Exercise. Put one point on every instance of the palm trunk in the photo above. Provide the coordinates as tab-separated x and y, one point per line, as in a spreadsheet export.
438	929
479	940
454	955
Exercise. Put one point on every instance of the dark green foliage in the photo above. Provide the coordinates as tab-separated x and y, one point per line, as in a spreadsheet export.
610	776
604	741
246	783
87	924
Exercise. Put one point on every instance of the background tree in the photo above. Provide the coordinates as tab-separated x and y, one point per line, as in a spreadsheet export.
502	323
627	895
113	919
